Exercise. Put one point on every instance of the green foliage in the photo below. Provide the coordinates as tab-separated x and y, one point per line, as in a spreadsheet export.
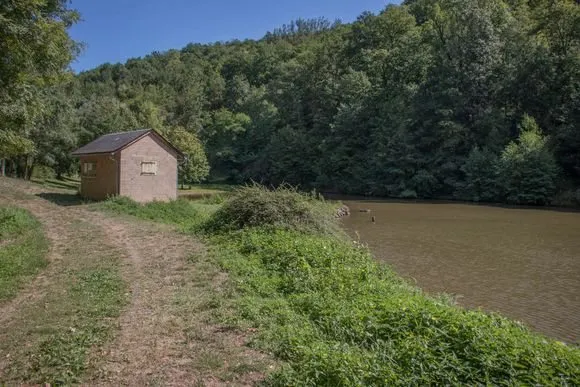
187	214
194	168
284	207
56	132
35	51
393	104
527	169
101	115
214	199
480	170
23	248
11	145
338	318
224	127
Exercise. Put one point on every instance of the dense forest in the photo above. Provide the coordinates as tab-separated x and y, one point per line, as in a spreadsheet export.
476	100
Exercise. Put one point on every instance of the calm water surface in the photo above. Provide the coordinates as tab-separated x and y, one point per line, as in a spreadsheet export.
523	263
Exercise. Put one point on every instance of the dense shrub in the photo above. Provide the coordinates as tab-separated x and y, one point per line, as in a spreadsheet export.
284	207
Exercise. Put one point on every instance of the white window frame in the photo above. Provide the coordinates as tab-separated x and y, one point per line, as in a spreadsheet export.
149	168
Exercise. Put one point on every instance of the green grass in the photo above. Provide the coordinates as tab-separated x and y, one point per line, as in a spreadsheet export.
210	187
212	193
95	296
52	337
23	248
334	316
188	215
337	318
66	183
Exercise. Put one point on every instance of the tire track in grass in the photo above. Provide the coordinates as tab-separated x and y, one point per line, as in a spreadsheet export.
70	325
49	328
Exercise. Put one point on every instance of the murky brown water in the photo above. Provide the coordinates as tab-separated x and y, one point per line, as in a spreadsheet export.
523	263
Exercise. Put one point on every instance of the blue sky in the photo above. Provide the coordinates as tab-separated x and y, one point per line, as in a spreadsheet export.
116	30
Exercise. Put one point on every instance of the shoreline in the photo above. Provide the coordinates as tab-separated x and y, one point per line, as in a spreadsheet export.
376	199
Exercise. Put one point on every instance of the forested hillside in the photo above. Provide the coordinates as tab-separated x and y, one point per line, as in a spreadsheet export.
476	100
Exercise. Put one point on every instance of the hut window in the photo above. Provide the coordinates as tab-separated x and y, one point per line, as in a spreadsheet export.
89	168
149	168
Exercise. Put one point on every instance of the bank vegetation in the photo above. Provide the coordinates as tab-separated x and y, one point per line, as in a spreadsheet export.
334	316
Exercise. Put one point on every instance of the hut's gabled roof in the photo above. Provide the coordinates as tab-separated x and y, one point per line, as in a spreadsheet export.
113	142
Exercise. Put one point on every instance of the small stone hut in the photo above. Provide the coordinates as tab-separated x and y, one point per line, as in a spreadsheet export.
140	164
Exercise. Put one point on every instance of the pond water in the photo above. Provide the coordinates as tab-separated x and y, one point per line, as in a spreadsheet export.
523	263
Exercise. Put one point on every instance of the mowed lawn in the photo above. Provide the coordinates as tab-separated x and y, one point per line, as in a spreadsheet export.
23	249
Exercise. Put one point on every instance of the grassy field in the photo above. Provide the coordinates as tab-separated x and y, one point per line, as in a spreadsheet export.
67	183
55	308
279	272
23	248
333	316
187	215
76	314
209	187
205	191
121	301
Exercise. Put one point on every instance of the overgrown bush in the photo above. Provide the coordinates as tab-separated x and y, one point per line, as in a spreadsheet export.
284	207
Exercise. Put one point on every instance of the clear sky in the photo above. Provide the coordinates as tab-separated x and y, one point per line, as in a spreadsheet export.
116	30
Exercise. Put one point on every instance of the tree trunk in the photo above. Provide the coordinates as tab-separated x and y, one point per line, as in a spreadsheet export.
29	171
3	167
25	177
18	167
14	168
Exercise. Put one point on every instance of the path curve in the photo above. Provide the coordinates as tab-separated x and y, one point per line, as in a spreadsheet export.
150	346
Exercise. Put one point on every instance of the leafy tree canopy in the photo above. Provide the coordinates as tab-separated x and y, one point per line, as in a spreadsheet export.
414	101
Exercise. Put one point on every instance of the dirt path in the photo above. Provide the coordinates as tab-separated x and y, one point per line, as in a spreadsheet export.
150	343
54	223
153	344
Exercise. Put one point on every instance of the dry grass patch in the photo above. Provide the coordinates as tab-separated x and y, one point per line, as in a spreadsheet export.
70	310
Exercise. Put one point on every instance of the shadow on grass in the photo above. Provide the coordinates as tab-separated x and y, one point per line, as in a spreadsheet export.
63	199
65	183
